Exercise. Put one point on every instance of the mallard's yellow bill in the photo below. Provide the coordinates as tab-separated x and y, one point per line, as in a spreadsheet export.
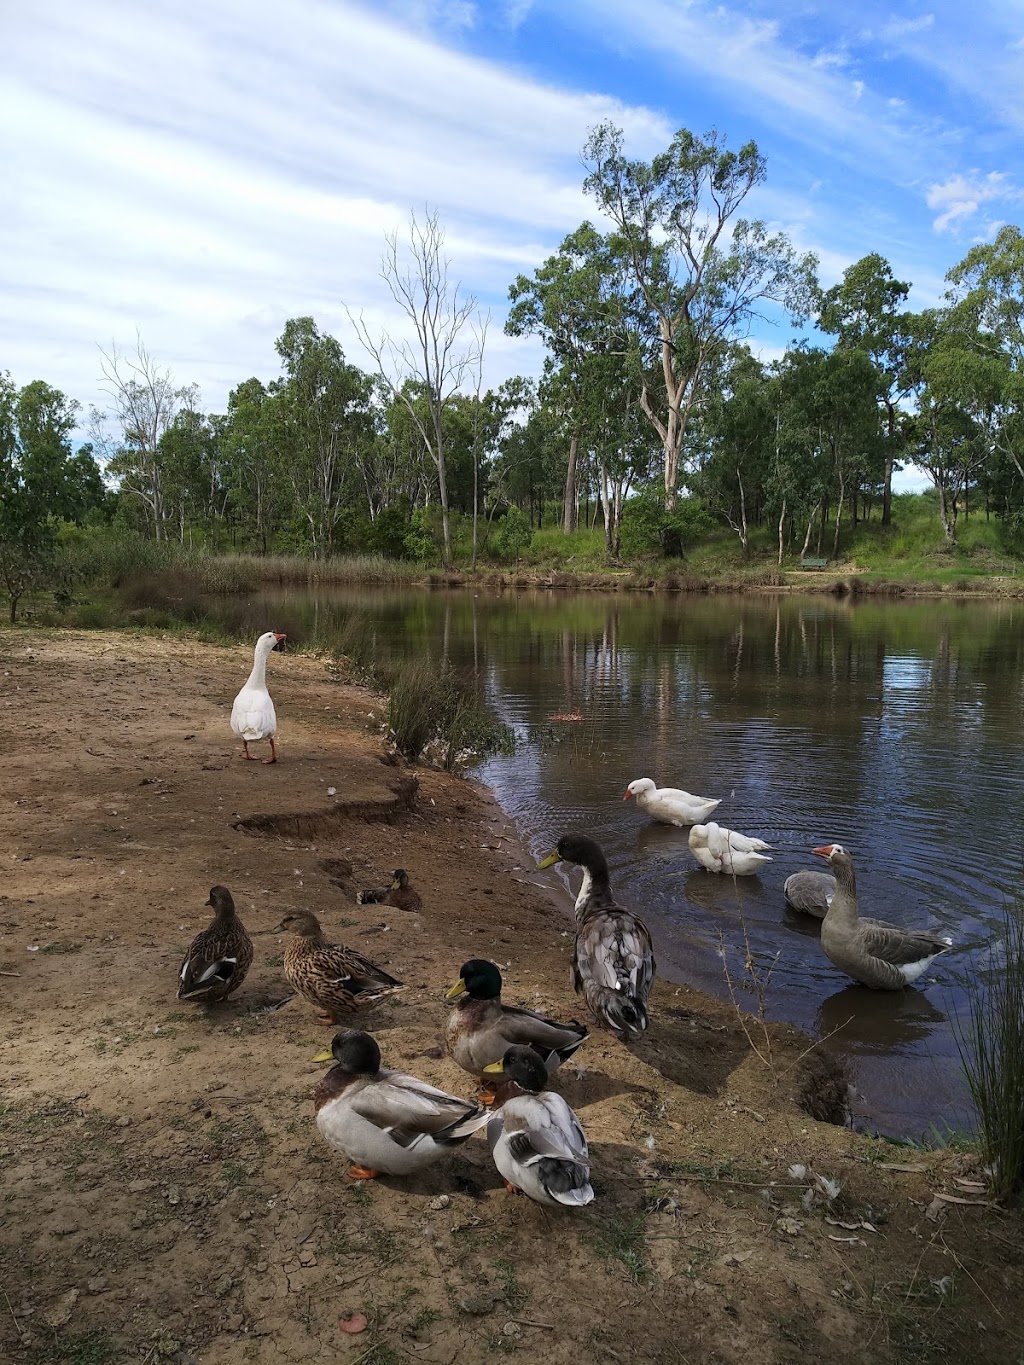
455	991
495	1069
549	861
326	1056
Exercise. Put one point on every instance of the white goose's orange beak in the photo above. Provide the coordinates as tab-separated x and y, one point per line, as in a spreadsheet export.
628	795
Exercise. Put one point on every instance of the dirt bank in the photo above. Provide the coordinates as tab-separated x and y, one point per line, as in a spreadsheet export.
165	1195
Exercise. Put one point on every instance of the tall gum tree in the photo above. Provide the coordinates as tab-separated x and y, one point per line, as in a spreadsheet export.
701	272
864	312
446	349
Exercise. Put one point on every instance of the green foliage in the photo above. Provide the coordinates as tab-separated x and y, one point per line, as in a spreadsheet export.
513	535
648	529
991	1043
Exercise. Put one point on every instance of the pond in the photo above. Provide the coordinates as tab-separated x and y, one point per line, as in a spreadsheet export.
891	727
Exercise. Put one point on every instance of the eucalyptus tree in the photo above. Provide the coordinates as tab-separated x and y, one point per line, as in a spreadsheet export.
955	384
41	481
864	312
577	304
146	402
324	408
739	428
252	442
445	351
987	305
699	272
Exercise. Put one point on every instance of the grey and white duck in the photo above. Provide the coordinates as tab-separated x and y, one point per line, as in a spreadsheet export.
613	957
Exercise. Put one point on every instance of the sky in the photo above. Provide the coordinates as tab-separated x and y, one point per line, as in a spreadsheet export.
195	173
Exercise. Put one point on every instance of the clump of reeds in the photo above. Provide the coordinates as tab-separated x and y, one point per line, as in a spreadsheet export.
991	1044
430	702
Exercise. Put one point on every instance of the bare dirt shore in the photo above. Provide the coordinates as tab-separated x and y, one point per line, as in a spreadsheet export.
165	1194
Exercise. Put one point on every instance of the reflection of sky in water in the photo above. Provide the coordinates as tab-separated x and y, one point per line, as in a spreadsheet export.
894	728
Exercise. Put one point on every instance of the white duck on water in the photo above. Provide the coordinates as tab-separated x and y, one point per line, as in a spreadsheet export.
670	805
872	951
253	717
718	849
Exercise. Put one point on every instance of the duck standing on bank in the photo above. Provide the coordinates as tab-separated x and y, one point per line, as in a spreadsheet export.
613	957
481	1029
253	717
535	1138
872	951
718	849
386	1122
670	805
219	957
336	979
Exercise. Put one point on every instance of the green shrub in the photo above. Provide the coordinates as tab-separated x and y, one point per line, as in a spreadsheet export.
513	536
647	528
428	701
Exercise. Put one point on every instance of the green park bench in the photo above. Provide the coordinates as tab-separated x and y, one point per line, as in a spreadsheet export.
811	562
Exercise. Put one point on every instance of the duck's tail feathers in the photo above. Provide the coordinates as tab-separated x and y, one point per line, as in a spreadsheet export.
624	1014
566	1181
463	1128
564	1053
575	1198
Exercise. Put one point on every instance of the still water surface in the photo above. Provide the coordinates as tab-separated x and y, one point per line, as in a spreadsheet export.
893	728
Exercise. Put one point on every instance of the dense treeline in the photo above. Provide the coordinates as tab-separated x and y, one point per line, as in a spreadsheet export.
652	417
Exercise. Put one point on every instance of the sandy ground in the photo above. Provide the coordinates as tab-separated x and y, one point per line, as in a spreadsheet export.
165	1193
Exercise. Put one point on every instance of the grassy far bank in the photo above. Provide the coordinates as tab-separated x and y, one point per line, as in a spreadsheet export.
103	573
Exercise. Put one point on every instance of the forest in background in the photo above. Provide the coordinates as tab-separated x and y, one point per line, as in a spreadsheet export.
653	425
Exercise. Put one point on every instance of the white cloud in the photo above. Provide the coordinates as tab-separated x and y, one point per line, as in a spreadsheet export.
902	28
206	171
961	196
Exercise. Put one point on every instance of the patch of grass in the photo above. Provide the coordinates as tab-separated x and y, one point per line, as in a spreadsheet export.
515	1294
991	1044
617	1240
61	946
432	701
76	1348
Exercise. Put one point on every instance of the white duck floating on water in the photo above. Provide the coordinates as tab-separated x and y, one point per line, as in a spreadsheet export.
718	849
670	805
253	717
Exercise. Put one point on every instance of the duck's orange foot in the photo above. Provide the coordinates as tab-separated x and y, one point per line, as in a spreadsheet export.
327	1017
513	1189
362	1173
485	1096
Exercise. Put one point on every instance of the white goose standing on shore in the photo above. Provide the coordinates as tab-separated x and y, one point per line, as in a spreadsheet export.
872	951
670	805
253	717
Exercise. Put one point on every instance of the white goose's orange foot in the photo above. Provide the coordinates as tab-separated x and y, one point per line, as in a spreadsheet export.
362	1173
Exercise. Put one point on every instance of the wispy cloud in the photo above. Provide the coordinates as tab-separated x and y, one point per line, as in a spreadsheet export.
961	196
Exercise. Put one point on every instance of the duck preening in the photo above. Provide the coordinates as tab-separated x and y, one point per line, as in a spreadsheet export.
253	717
481	1029
386	1122
670	805
810	892
872	951
613	957
400	894
336	979
718	849
535	1138
219	957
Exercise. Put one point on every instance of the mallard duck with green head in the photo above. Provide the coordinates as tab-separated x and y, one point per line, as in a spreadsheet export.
481	1028
613	957
386	1122
536	1140
336	979
219	957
